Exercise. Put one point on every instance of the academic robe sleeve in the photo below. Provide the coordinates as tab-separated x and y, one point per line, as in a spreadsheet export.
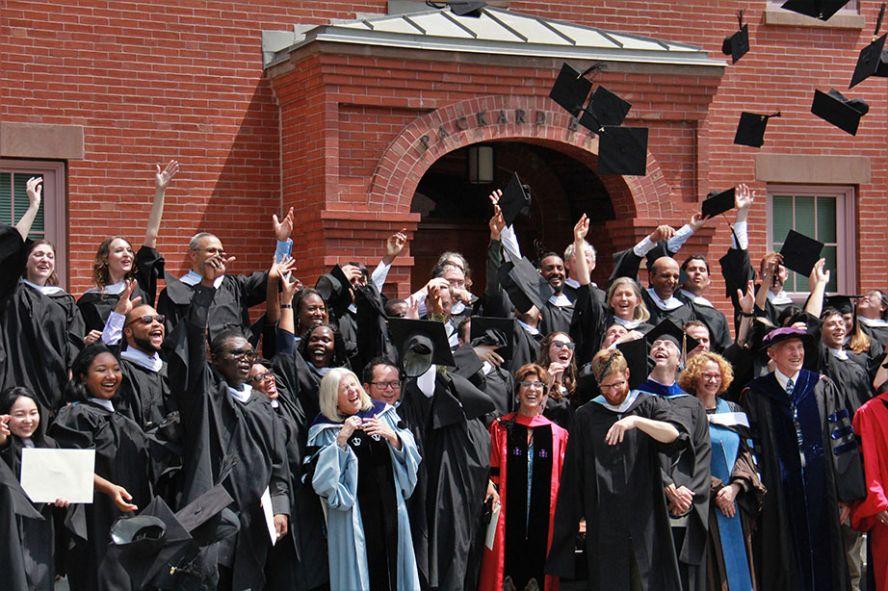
841	441
871	433
371	326
496	301
12	259
405	461
253	288
625	265
571	503
336	475
496	433
149	268
587	324
279	487
187	366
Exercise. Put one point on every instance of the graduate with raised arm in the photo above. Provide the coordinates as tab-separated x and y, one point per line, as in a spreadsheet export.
662	298
611	479
234	294
41	329
230	435
115	263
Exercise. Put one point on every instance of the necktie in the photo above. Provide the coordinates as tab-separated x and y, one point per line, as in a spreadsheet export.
790	386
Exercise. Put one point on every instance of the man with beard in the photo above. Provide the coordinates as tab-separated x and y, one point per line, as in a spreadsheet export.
230	435
809	463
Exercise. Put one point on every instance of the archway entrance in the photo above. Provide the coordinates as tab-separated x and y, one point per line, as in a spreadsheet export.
454	211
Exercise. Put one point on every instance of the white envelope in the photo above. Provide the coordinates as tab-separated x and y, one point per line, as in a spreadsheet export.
269	516
50	474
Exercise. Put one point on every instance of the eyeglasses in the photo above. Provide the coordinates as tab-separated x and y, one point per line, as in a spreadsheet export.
259	378
614	386
148	319
387	385
563	345
239	354
712	377
532	385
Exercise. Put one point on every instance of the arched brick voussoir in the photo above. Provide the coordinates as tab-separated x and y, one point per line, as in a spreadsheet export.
429	137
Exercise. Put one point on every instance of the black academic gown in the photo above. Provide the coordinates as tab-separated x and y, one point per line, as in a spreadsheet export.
626	265
37	537
14	508
877	333
618	490
445	508
591	319
123	457
719	333
145	395
40	335
799	542
230	305
556	318
226	441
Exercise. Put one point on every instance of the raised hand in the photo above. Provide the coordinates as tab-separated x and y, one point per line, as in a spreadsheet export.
283	228
488	353
124	303
394	245
353	274
743	197
618	430
746	300
215	267
772	261
819	275
496	224
92	336
34	189
412	309
281	268
289	286
663	232
163	178
581	228
697	221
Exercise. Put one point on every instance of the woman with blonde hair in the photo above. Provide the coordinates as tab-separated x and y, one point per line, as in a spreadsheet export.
364	470
735	482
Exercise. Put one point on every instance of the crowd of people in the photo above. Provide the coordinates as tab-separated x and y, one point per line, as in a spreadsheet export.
540	432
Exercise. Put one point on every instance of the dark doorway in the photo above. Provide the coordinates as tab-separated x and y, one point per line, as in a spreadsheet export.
455	212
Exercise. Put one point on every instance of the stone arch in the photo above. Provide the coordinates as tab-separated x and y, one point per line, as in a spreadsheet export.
526	119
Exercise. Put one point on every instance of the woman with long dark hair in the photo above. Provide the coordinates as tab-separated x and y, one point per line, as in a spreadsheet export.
557	357
22	425
41	329
122	466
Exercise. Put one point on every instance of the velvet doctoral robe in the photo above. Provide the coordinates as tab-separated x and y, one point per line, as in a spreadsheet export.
618	490
237	444
524	527
809	462
871	425
365	487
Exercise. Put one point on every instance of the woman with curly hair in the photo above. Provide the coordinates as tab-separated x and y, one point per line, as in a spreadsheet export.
735	481
526	455
557	358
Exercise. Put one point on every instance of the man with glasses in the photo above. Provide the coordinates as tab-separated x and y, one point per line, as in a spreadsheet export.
382	381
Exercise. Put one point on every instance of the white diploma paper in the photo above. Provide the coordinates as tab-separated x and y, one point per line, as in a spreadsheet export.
50	474
269	516
491	527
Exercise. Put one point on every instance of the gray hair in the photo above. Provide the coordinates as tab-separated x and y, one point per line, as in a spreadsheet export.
328	393
192	244
587	248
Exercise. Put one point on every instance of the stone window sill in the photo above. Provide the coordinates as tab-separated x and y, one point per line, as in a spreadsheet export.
778	17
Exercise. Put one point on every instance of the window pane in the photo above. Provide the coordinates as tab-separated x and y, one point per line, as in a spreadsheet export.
826	219
20	203
804	216
6	198
831	256
781	208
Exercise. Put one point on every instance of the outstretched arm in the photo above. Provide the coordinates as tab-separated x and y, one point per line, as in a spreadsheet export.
162	181
581	266
658	430
817	283
35	196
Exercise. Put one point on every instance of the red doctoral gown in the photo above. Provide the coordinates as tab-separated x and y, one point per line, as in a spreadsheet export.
494	561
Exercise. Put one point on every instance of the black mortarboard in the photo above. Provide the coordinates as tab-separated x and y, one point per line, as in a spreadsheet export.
820	9
842	303
605	108
736	270
800	253
737	45
872	61
570	90
833	107
494	331
524	284
515	200
473	9
671	331
718	202
420	342
751	129
334	289
636	354
623	150
466	361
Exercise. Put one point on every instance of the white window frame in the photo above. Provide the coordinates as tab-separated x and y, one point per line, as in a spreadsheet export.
846	235
54	204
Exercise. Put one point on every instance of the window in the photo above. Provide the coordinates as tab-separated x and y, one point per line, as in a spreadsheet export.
825	214
851	7
50	222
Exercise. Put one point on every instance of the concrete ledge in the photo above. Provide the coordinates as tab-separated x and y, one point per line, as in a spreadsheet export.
776	16
35	140
820	170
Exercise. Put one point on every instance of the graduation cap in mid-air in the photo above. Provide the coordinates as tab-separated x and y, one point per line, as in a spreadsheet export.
473	9
833	107
515	201
498	332
623	150
873	59
420	344
800	253
736	270
604	108
819	9
524	284
751	129
717	202
737	45
571	88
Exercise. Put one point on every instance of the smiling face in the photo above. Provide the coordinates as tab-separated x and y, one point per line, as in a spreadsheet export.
234	360
833	331
145	336
623	302
24	417
664	277
532	395
614	387
788	356
701	333
103	377
312	311
40	264
561	348
320	346
348	399
206	247
697	276
709	381
552	270
872	305
385	385
262	380
120	259
614	332
665	354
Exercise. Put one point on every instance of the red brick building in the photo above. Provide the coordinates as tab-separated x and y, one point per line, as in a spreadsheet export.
363	119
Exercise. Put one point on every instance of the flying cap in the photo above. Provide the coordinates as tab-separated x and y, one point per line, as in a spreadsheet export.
636	354
751	129
833	107
570	90
737	270
605	108
820	9
737	45
800	252
415	339
872	61
524	284
473	9
515	199
499	332
623	150
718	202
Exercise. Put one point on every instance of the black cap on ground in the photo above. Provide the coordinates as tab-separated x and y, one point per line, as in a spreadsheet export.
737	45
833	107
623	150
800	252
